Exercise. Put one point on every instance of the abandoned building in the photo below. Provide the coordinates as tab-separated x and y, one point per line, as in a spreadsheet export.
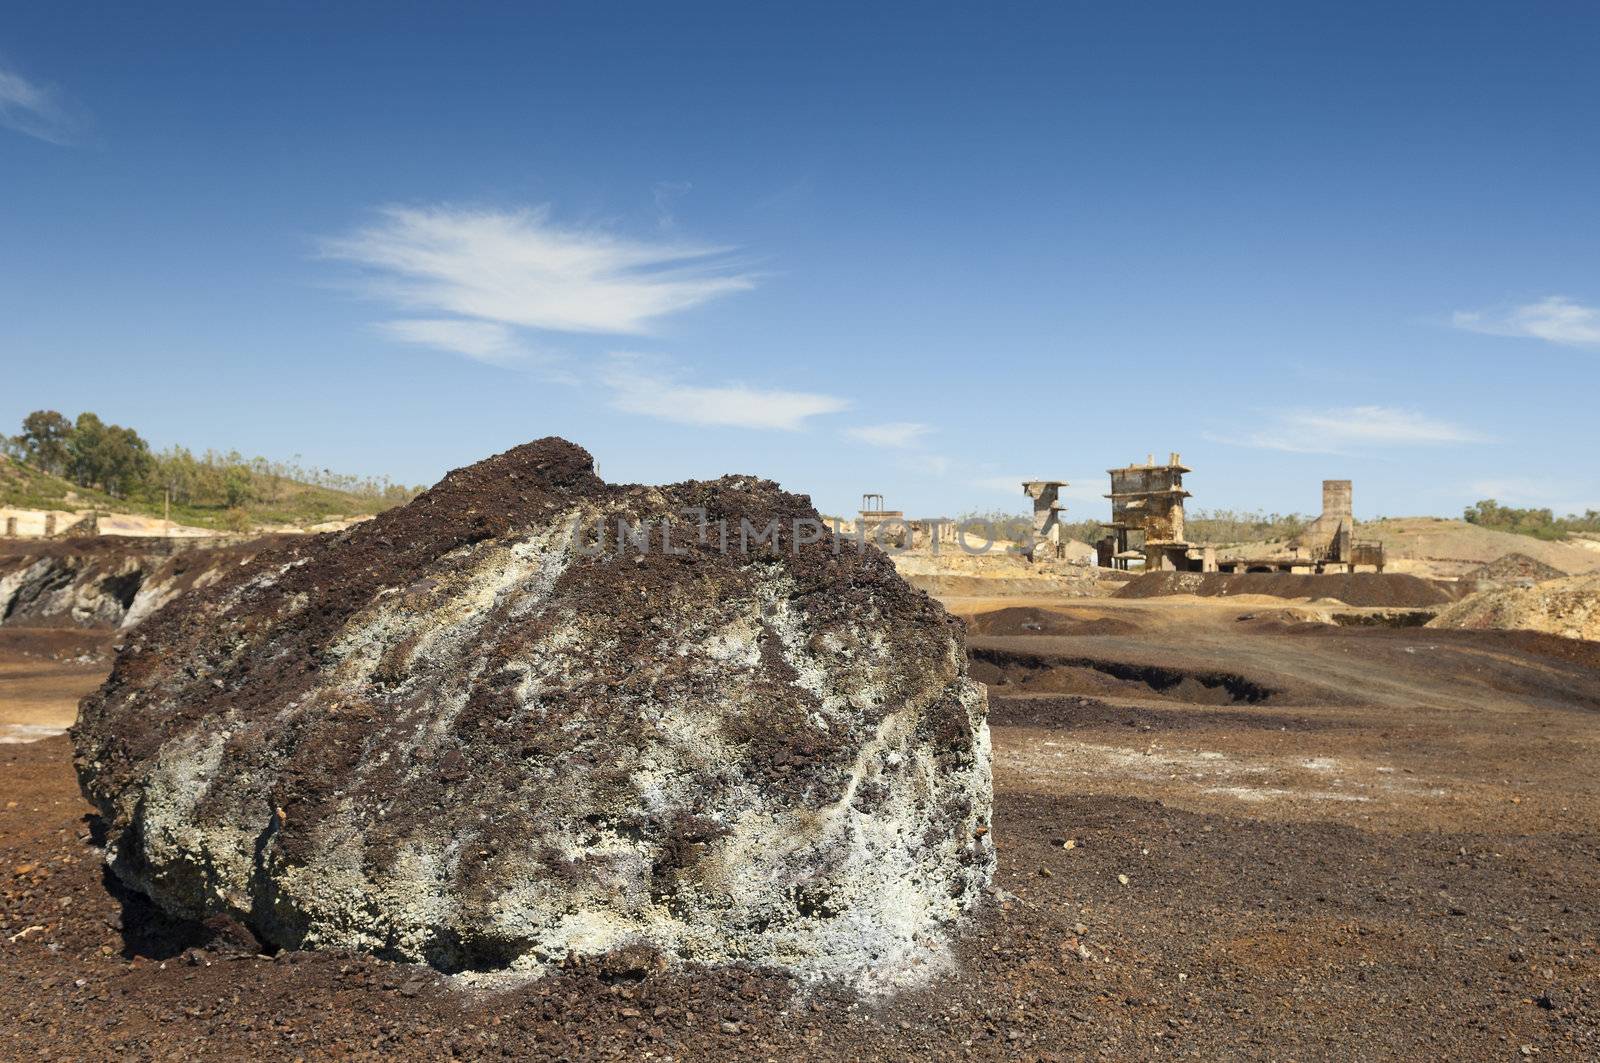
1147	520
1147	527
890	528
934	532
1328	544
873	518
1331	538
34	524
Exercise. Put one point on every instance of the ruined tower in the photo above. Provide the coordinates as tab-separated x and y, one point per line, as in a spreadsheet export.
1046	517
1327	544
1331	535
1147	513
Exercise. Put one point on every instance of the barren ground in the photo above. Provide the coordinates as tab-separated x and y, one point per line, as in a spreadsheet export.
1287	841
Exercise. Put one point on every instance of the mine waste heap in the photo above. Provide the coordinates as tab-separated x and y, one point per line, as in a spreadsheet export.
476	734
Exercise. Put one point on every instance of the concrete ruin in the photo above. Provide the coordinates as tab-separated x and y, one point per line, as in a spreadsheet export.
934	533
1147	520
1147	525
882	527
1327	544
889	528
50	524
1046	518
1335	527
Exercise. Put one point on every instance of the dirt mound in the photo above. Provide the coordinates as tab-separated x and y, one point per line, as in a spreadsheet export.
1515	568
1568	607
1026	620
1351	588
471	733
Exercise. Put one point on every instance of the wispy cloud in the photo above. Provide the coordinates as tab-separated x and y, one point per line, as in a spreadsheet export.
637	389
519	269
486	341
1555	319
900	435
36	110
1334	431
487	284
666	195
926	464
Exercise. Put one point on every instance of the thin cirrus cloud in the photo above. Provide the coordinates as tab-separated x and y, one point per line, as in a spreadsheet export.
1341	429
1554	319
903	439
487	341
639	390
36	111
896	435
926	464
520	271
489	284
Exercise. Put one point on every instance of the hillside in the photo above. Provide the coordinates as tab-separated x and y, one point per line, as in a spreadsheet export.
273	501
1437	547
1448	543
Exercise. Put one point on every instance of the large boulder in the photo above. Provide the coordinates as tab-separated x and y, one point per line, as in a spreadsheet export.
478	734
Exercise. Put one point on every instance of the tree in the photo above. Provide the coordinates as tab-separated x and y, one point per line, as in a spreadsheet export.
86	450
44	439
1541	523
127	460
178	474
236	486
108	456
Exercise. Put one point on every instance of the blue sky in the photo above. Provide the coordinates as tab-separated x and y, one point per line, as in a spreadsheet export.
920	249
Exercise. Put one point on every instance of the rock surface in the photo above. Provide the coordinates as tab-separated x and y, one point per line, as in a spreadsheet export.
458	734
109	581
45	586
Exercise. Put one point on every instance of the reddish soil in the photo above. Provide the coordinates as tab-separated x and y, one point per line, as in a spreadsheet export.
43	674
1394	855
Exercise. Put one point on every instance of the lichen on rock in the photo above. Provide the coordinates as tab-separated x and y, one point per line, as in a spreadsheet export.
467	733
